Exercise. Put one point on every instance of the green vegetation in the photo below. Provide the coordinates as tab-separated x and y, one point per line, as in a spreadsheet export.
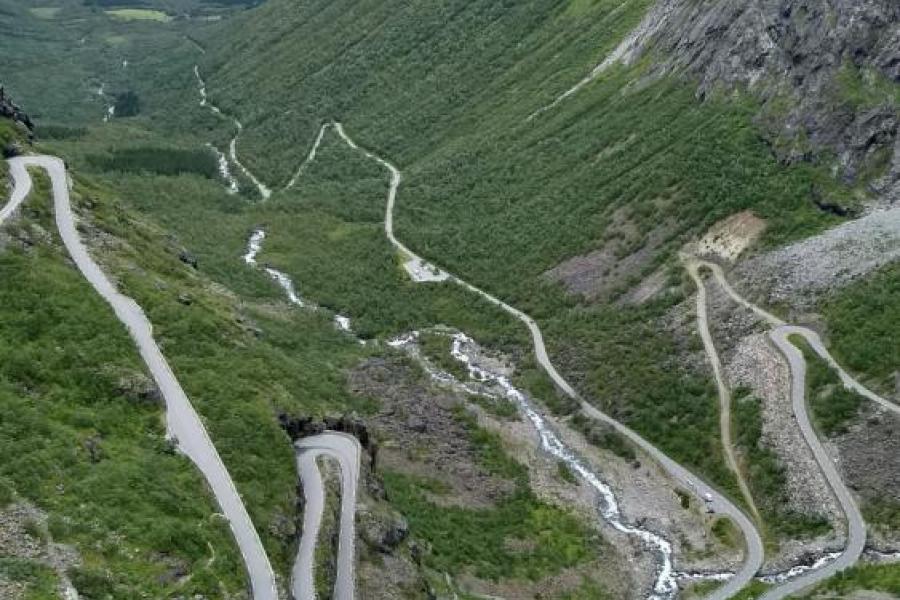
160	161
499	199
727	533
832	406
61	132
861	324
497	407
491	196
701	589
489	450
67	385
755	590
603	436
436	347
139	14
10	135
765	474
880	578
487	194
326	546
45	12
631	364
565	472
240	362
882	513
127	104
865	88
518	537
588	590
40	580
549	539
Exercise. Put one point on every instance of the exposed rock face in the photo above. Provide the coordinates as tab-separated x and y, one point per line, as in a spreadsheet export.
799	274
12	111
806	59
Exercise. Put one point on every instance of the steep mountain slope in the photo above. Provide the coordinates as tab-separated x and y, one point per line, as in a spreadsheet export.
825	71
628	169
571	203
565	202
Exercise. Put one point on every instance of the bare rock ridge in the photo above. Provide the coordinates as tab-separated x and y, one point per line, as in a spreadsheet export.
825	70
10	110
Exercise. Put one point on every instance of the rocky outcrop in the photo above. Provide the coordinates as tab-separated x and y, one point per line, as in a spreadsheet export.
12	111
304	426
827	71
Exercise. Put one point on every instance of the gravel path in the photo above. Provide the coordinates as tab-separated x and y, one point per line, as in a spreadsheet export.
724	393
182	421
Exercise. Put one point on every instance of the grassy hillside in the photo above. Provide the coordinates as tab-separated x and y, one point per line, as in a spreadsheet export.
862	326
444	90
629	166
83	439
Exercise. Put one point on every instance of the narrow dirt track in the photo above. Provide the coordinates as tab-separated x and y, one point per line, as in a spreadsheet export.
724	392
182	421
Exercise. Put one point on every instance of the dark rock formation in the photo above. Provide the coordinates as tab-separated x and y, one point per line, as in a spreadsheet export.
12	111
188	258
139	388
826	71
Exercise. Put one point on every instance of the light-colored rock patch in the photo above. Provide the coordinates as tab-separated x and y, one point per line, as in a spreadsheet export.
728	238
424	272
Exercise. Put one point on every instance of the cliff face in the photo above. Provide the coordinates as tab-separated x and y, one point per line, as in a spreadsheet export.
827	71
12	111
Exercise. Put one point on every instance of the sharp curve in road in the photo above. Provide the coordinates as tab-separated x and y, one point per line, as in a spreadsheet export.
811	336
309	157
754	551
342	447
346	450
183	424
856	528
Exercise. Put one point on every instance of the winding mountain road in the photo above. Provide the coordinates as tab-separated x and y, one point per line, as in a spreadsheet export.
811	336
754	553
724	393
183	424
346	450
856	528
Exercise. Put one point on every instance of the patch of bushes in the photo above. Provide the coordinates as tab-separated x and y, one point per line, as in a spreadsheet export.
127	104
475	540
862	320
833	407
603	436
879	578
158	161
39	579
766	475
60	132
